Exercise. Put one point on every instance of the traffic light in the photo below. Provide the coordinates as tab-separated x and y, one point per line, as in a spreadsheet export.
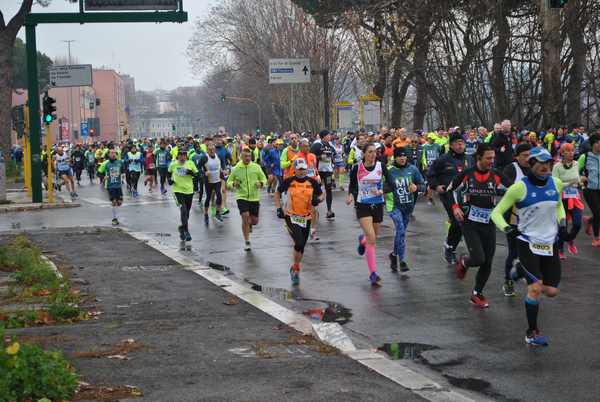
48	108
258	130
223	98
558	3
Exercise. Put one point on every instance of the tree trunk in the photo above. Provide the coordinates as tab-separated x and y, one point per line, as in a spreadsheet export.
379	87
421	47
551	69
398	97
8	34
6	49
575	26
499	57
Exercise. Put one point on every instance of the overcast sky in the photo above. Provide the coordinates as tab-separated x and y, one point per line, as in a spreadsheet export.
155	54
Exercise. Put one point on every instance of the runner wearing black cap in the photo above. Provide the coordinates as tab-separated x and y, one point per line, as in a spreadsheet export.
325	153
441	174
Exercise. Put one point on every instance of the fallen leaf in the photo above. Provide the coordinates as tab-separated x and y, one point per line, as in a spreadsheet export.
230	302
129	340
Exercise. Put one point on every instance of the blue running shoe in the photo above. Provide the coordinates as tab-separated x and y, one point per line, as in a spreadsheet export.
361	246
534	338
375	279
295	276
188	236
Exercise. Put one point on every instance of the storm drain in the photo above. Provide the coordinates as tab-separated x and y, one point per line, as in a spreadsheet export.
405	351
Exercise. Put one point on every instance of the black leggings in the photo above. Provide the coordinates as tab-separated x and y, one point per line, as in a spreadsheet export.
592	197
185	206
298	233
163	172
210	188
327	179
199	187
134	177
454	232
78	170
481	242
91	170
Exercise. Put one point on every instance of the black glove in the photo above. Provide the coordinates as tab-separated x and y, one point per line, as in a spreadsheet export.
512	231
280	213
189	172
170	181
563	233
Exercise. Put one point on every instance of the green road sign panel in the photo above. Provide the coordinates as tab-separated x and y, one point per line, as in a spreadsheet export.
125	5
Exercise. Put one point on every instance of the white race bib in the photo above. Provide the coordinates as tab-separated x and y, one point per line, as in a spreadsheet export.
570	192
544	250
481	215
298	220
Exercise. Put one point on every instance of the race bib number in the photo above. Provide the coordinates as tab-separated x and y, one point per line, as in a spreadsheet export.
77	159
151	166
298	220
481	215
162	159
570	192
310	172
544	250
181	171
115	175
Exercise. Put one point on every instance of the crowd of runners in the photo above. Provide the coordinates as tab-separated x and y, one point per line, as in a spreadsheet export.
531	186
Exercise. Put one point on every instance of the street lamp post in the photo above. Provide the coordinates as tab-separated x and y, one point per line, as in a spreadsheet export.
68	42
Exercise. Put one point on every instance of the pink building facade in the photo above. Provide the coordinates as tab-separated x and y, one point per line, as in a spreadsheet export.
110	92
103	102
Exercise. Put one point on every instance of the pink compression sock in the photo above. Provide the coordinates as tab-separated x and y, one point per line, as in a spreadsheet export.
371	259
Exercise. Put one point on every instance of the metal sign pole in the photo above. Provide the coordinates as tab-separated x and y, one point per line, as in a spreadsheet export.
34	114
292	117
50	162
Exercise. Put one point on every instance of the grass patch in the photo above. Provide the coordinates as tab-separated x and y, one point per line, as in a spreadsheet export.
27	372
35	280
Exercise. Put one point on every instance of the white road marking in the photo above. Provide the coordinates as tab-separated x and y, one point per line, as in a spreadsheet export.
331	335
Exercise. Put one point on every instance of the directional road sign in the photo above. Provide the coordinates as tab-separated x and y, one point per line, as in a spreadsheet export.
120	5
71	76
84	129
289	71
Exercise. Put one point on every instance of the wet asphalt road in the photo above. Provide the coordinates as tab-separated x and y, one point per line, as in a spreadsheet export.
479	350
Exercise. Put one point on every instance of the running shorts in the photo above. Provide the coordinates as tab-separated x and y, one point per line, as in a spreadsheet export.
115	194
248	206
299	233
539	268
373	210
68	172
151	172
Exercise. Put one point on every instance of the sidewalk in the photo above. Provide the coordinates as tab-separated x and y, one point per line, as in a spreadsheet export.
20	201
193	340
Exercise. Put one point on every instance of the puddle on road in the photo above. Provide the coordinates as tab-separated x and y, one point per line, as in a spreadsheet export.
473	384
274	293
406	351
334	312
